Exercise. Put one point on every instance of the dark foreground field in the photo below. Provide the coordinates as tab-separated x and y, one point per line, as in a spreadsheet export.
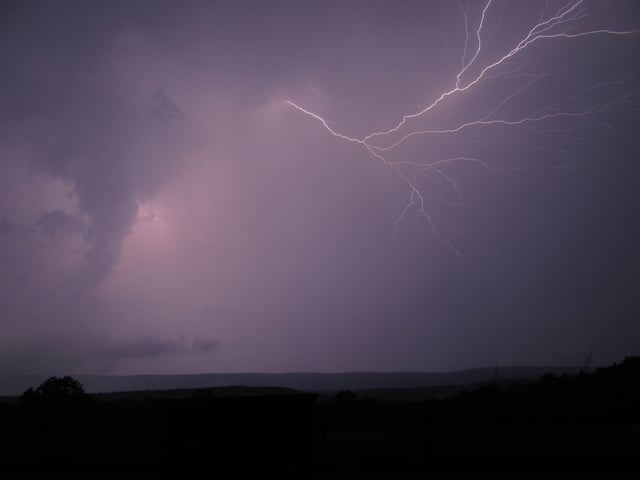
583	426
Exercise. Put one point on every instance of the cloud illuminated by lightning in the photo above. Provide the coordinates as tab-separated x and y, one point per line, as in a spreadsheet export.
146	213
551	26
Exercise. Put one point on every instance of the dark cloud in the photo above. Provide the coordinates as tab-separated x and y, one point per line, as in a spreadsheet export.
204	345
164	108
7	227
58	222
99	148
78	353
68	93
152	347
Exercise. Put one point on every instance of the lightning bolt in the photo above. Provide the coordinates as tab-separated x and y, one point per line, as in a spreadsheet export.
563	24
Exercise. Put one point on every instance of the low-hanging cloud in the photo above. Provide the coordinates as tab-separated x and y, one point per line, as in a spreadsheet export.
47	354
103	149
72	103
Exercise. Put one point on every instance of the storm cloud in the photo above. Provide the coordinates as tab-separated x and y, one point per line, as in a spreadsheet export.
163	209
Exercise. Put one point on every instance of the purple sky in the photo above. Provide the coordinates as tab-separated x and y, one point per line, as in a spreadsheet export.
164	209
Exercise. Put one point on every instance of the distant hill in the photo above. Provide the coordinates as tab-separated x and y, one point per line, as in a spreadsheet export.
187	393
308	382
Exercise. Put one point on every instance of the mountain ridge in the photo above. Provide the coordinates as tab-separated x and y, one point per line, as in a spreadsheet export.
303	381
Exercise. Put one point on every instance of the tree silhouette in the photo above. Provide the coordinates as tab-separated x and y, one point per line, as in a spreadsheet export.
56	390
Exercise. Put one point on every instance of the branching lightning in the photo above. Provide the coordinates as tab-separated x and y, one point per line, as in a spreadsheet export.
563	24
